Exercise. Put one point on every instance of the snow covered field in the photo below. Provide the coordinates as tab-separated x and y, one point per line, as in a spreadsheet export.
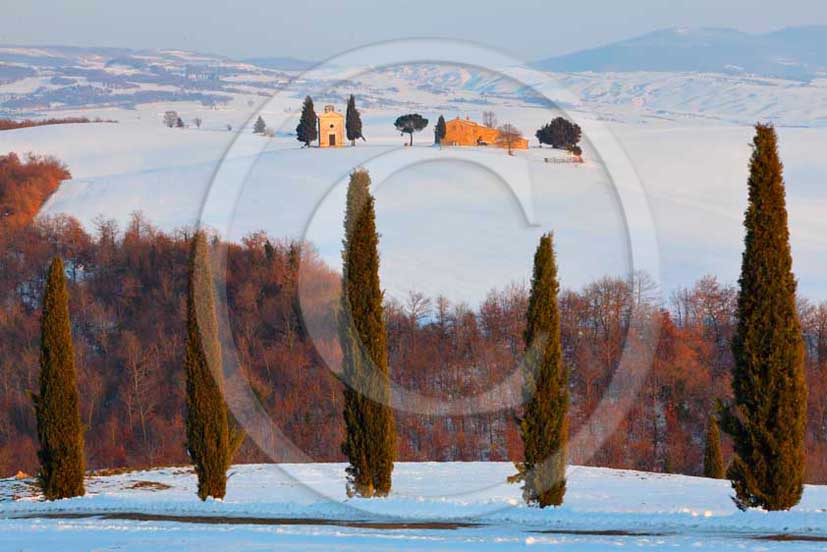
449	222
446	506
458	221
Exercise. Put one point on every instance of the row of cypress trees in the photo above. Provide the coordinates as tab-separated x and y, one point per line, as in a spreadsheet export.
211	437
765	420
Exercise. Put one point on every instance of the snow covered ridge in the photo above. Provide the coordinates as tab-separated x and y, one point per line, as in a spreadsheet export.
794	52
598	499
47	81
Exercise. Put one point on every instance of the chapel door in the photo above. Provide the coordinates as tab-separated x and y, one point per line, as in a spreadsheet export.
331	140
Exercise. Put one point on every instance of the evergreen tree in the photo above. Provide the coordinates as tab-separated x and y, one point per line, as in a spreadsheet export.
410	123
306	130
260	127
439	130
544	427
768	416
713	458
209	443
559	133
370	440
353	122
57	409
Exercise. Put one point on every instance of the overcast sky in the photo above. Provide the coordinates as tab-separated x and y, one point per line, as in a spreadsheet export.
314	29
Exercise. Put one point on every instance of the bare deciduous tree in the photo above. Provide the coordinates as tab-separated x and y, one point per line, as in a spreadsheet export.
509	135
489	119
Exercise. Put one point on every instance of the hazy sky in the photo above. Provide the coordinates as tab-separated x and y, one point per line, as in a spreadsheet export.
313	29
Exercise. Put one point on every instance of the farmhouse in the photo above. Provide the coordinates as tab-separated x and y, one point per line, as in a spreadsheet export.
331	128
465	132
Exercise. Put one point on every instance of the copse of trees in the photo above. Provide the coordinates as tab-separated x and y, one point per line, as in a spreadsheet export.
560	133
171	119
59	427
353	121
544	426
767	418
24	188
129	336
370	428
408	124
306	130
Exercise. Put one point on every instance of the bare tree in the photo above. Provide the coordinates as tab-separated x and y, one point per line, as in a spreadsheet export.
171	119
489	119
140	396
508	136
418	307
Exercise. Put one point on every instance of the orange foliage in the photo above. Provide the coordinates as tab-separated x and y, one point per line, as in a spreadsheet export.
128	295
25	186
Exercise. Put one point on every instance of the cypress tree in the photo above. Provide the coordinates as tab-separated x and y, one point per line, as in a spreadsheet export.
306	130
713	458
370	439
544	427
768	416
353	121
260	126
208	437
57	408
439	130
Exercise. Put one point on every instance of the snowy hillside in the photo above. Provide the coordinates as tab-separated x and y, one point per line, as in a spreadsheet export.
449	225
433	506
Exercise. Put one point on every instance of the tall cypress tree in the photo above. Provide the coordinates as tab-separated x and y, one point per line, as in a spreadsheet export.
57	408
208	437
370	440
439	130
306	130
544	426
713	458
353	121
768	416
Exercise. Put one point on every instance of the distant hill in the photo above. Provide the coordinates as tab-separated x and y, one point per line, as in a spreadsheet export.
793	53
281	63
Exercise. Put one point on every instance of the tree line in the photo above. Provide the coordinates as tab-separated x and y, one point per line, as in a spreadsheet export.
11	124
128	297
